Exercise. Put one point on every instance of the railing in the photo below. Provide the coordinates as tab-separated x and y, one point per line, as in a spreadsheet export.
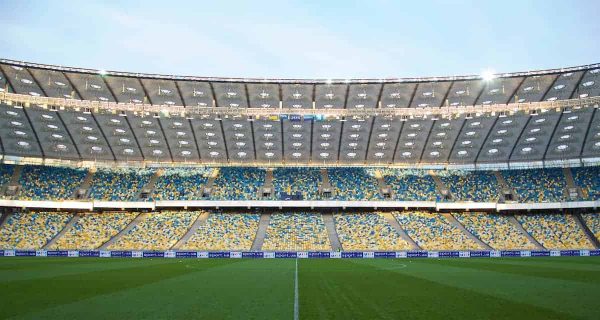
187	204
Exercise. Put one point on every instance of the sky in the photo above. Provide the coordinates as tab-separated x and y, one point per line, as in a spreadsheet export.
303	39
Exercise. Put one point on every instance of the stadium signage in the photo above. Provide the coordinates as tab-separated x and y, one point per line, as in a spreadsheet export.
91	253
301	254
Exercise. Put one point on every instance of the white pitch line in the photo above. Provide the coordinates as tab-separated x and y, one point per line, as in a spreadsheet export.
296	304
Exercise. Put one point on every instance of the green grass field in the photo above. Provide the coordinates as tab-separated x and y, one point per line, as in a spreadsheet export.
118	288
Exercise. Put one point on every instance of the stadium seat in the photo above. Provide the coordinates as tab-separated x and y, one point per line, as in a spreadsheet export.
6	172
431	231
225	231
296	231
238	183
410	184
49	183
93	230
181	183
592	221
354	184
465	185
305	181
496	230
158	231
367	231
555	231
588	178
31	230
119	184
537	185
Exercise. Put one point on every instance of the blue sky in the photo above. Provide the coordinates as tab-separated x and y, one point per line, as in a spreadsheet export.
303	39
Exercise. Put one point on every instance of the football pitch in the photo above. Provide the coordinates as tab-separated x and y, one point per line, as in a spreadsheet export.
119	288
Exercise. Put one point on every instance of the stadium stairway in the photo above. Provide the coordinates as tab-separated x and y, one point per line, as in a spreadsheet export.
261	231
389	217
125	230
383	187
14	181
325	184
442	189
334	240
587	231
211	179
83	190
267	184
66	228
504	187
199	221
518	225
571	185
3	217
149	187
452	220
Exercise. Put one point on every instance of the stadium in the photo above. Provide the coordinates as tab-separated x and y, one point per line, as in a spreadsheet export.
142	195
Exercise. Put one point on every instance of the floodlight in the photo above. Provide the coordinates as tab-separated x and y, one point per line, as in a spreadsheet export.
488	75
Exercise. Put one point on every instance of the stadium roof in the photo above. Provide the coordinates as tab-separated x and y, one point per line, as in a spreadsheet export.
536	116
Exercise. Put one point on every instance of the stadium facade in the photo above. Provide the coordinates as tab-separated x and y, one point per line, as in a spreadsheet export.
120	161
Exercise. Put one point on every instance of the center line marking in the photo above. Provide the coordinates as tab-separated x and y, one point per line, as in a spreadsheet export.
296	305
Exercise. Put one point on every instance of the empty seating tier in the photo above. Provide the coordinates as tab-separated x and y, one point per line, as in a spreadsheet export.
181	183
49	183
238	184
119	184
297	232
471	185
367	231
555	231
432	231
92	230
305	181
537	185
32	230
158	231
225	231
495	229
588	179
354	184
410	185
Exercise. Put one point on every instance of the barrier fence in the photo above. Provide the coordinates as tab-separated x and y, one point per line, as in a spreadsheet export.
300	254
